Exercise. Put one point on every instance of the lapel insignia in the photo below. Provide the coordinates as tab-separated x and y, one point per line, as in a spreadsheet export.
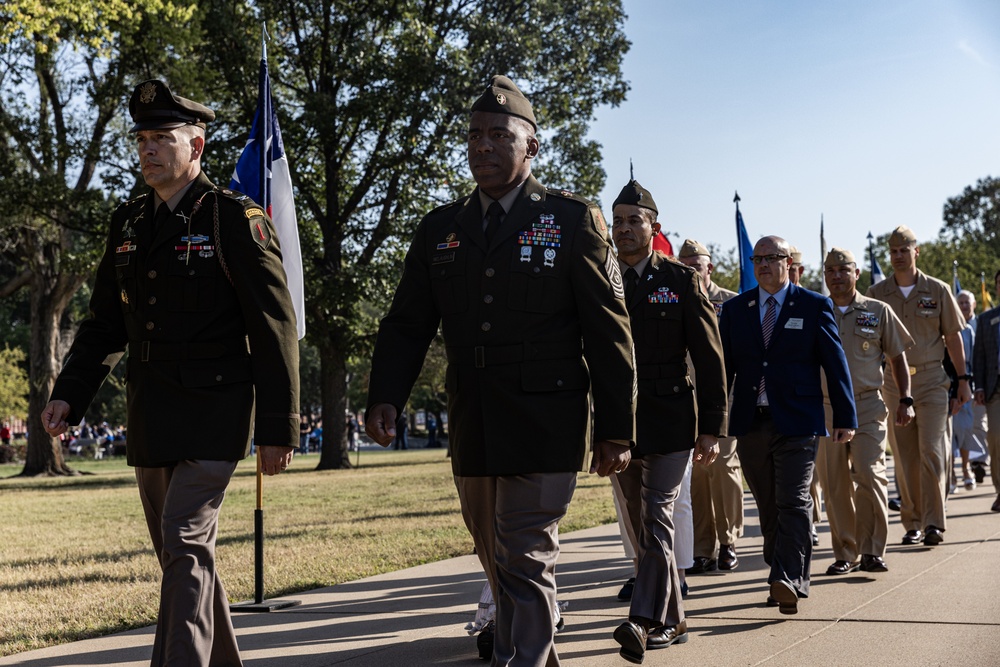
535	197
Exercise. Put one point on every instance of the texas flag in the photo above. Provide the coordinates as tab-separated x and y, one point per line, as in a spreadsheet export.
262	174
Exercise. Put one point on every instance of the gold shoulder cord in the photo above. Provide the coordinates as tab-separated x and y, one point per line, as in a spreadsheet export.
218	238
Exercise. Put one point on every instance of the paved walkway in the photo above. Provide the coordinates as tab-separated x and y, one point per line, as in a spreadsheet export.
935	606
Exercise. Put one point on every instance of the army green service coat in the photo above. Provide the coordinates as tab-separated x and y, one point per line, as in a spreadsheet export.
201	349
532	324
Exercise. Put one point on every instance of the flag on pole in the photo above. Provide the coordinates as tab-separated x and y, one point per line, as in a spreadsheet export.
824	290
262	174
956	285
876	270
662	243
987	301
747	280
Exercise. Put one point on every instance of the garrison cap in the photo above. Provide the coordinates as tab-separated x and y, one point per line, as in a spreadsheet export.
902	235
502	96
839	257
692	248
153	107
635	194
795	254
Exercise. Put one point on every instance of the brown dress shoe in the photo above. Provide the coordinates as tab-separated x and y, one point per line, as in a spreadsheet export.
665	635
632	638
727	557
842	567
788	599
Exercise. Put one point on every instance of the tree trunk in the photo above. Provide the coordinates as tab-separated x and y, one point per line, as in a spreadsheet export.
50	293
333	372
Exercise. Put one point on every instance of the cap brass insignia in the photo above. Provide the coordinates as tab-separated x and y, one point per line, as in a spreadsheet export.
147	93
535	196
501	98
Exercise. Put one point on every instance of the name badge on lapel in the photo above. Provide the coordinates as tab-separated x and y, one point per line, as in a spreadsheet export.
794	323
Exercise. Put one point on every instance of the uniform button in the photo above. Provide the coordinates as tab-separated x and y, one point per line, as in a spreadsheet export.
151	274
150	326
676	389
486	326
536	270
765	363
218	378
190	272
152	300
559	383
489	273
488	298
662	314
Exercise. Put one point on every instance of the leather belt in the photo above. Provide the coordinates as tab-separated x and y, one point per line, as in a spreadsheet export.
482	356
156	351
923	367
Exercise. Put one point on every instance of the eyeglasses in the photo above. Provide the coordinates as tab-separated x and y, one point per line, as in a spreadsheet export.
767	259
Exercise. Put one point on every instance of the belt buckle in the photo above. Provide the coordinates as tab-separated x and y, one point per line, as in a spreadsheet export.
913	370
480	352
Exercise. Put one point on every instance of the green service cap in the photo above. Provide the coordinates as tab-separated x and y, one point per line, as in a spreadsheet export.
502	96
153	107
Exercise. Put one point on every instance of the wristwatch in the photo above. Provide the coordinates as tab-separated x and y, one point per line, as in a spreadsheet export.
907	401
967	377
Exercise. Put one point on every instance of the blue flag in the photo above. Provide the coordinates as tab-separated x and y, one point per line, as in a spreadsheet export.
954	278
747	280
877	275
262	174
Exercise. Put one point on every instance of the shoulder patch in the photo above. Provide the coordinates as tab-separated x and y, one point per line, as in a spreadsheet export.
599	222
260	231
253	211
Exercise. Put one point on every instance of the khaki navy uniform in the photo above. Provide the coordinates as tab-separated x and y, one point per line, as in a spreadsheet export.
671	317
533	322
921	448
717	490
192	383
854	475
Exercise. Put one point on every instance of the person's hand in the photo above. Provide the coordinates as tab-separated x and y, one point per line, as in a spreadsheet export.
980	397
54	418
843	435
953	406
609	457
964	392
904	414
381	424
706	449
274	459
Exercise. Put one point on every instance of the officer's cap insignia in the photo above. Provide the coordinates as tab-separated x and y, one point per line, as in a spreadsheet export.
251	212
147	93
501	98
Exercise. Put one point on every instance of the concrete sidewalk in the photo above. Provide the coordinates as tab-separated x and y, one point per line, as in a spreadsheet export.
935	606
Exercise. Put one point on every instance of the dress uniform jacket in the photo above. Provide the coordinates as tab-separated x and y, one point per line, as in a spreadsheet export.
985	356
164	295
671	315
531	322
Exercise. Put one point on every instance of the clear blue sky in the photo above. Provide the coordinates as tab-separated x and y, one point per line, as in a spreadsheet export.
869	113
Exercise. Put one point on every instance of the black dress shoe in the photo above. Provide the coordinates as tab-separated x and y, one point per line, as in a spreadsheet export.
870	563
842	567
665	635
632	638
996	505
788	599
771	602
484	642
727	557
702	565
933	536
913	537
625	594
895	504
979	470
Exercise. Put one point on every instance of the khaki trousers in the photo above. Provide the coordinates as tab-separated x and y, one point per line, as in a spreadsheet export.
717	501
514	522
993	439
856	485
921	450
181	503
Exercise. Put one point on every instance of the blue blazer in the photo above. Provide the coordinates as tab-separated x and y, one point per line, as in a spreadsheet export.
805	339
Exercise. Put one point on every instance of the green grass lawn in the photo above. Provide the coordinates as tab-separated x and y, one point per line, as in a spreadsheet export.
75	559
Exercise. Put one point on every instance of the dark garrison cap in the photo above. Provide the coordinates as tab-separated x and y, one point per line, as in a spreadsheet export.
502	96
633	193
153	107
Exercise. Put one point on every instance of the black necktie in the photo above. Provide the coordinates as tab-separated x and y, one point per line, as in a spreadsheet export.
493	220
631	280
162	213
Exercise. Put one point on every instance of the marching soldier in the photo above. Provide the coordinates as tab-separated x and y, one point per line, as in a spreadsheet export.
192	285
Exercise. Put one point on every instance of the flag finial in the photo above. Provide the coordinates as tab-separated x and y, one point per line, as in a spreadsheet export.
631	171
736	198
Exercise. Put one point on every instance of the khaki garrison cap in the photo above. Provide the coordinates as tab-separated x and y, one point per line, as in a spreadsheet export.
902	235
795	254
502	96
692	248
839	257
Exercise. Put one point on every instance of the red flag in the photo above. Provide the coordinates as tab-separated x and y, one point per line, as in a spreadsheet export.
662	243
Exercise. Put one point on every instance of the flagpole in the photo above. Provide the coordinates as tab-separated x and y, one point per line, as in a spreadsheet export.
259	604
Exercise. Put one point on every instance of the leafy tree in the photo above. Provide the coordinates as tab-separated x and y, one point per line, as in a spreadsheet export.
974	215
65	70
374	100
13	384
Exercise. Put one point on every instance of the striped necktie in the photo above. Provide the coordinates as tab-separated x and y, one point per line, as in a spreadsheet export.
766	329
